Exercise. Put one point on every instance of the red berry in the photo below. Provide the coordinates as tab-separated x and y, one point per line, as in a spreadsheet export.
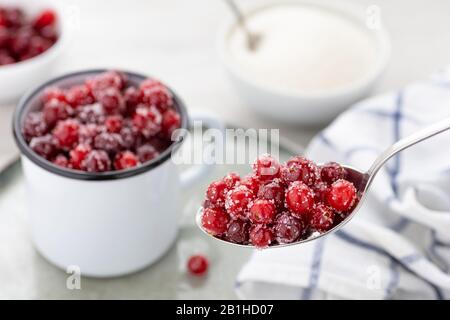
300	169
109	142
125	160
36	46
266	168
106	80
231	179
157	96
331	172
66	133
13	17
146	153
261	236
132	98
322	218
215	221
55	110
299	200
79	96
171	121
91	113
342	196
53	93
252	182
97	161
237	202
88	132
19	43
34	125
49	33
5	57
147	121
44	146
61	160
320	191
262	211
237	232
197	265
114	123
112	101
272	191
149	84
78	155
288	229
45	18
216	193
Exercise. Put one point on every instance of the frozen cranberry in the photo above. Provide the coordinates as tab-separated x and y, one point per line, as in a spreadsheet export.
78	155
147	121
288	229
44	146
146	153
331	172
157	96
342	195
262	211
237	202
149	84
79	96
55	110
215	221
53	93
14	17
97	161
114	123
88	132
19	43
197	265
112	101
237	232
261	236
272	191
252	182
132	98
109	142
34	125
320	191
106	80
171	121
299	200
66	133
125	160
231	179
91	113
300	169
266	167
322	218
216	193
61	160
45	18
130	137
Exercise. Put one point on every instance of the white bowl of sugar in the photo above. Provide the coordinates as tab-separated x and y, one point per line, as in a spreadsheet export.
313	61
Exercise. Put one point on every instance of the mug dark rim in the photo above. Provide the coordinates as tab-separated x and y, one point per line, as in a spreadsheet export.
82	175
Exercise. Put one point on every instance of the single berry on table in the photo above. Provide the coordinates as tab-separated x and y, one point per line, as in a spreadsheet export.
197	265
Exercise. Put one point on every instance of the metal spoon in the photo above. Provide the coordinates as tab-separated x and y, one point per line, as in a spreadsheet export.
362	180
253	39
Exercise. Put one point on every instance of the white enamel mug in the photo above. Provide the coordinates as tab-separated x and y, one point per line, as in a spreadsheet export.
107	224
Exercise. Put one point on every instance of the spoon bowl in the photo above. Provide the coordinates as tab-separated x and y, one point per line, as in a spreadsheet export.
360	179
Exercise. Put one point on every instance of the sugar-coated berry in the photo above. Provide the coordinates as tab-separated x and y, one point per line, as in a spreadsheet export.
261	236
288	229
56	110
320	191
147	152
300	169
61	161
215	221
273	191
79	95
147	120
97	161
197	265
44	146
91	114
132	98
53	93
66	133
237	232
299	199
156	96
34	125
171	120
262	211
216	193
78	155
266	167
112	100
114	123
231	179
322	218
342	195
109	142
331	172
125	160
238	201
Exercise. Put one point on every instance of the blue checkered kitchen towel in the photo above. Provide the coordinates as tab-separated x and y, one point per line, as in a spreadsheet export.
398	245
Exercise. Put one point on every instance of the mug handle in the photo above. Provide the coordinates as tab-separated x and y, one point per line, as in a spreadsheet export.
196	173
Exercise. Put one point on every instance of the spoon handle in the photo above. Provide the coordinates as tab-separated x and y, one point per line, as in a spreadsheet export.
407	142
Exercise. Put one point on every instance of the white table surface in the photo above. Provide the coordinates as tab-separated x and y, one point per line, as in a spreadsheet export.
175	41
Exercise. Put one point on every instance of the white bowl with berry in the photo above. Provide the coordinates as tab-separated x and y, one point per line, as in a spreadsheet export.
103	190
32	37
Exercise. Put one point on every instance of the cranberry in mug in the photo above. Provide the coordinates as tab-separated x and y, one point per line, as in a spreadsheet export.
278	203
103	124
